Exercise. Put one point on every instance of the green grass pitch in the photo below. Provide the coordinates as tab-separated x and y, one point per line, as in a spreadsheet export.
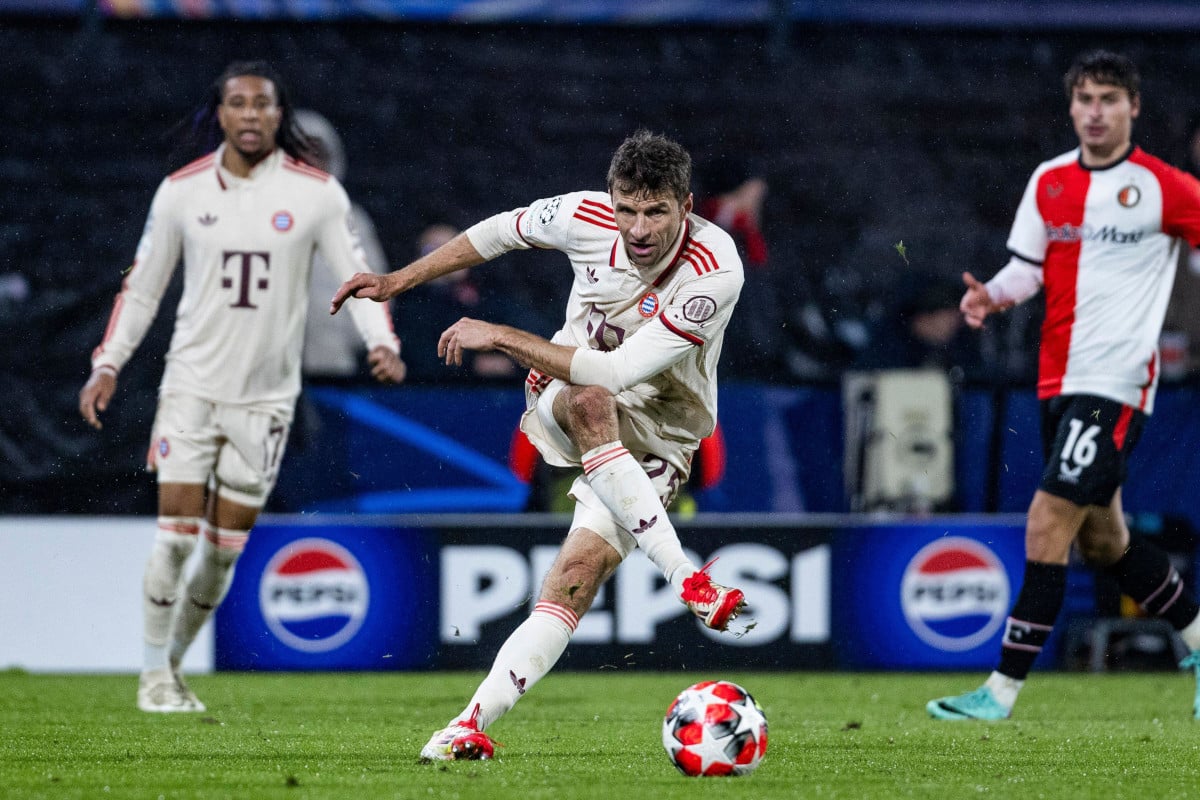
593	735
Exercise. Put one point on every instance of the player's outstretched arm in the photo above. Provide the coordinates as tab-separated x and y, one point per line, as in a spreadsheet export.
367	285
527	349
456	254
95	396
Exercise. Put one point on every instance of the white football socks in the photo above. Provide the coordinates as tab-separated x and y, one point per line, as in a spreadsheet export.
207	586
1004	688
1191	634
173	543
527	655
624	487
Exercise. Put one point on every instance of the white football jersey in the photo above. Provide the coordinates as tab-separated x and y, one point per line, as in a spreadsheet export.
691	293
1107	243
247	246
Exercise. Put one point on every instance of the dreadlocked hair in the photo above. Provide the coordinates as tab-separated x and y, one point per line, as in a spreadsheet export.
199	133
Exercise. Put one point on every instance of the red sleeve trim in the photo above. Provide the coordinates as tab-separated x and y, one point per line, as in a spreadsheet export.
306	170
195	168
520	217
691	337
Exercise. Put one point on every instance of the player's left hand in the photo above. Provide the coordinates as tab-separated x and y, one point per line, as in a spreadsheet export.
386	366
466	334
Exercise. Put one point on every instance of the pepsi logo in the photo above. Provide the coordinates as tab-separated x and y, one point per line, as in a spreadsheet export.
955	594
314	595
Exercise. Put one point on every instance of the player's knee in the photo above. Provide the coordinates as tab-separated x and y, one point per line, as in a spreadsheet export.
1100	554
592	413
573	583
591	406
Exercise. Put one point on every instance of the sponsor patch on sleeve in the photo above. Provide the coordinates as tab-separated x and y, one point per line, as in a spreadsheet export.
699	309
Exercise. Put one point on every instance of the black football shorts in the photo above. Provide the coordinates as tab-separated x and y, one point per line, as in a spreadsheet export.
1086	442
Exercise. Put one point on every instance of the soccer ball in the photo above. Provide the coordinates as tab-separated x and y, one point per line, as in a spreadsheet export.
715	728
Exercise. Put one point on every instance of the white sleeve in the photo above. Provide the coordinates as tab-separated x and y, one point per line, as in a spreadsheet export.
339	243
1027	238
544	223
651	349
145	284
1016	282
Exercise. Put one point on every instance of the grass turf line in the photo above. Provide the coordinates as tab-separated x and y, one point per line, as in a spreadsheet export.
578	736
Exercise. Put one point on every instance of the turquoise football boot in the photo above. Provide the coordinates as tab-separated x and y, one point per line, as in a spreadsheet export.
979	704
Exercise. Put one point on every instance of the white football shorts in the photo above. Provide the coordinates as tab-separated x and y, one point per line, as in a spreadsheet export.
666	461
234	449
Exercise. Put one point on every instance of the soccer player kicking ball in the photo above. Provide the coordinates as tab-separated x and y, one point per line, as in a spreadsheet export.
626	389
1099	228
246	219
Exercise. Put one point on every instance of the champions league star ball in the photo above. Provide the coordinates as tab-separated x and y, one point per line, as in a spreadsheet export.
715	728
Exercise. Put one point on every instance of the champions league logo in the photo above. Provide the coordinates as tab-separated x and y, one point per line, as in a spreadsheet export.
314	595
955	594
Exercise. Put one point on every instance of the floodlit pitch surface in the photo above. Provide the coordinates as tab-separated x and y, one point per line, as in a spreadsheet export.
593	735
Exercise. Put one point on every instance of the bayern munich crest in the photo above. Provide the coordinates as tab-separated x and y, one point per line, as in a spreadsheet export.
649	305
314	595
282	221
955	594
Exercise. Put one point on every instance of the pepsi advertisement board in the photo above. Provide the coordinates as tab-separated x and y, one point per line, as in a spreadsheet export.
930	594
331	592
331	597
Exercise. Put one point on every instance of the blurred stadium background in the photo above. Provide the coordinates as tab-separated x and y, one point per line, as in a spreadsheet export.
873	122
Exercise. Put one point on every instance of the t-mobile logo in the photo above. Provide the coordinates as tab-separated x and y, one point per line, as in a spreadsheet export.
240	267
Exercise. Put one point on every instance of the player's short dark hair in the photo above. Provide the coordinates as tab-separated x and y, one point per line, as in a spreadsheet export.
649	163
1103	66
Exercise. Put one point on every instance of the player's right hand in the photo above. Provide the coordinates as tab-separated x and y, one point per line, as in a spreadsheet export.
367	285
95	396
976	303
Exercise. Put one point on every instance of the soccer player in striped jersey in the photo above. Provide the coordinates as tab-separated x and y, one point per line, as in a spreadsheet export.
1099	228
626	389
246	219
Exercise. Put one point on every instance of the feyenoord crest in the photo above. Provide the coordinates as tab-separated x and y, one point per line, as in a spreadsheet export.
1129	196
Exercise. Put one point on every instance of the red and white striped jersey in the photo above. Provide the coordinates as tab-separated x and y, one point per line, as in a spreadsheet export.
247	246
691	293
1107	243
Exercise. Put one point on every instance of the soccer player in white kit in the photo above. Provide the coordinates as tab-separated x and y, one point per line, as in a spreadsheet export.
246	220
1099	228
626	389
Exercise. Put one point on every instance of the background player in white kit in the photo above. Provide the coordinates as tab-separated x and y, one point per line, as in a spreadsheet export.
1099	227
246	219
626	389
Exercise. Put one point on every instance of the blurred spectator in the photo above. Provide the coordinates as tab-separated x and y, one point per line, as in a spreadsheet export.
926	330
734	200
423	313
1179	344
333	348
